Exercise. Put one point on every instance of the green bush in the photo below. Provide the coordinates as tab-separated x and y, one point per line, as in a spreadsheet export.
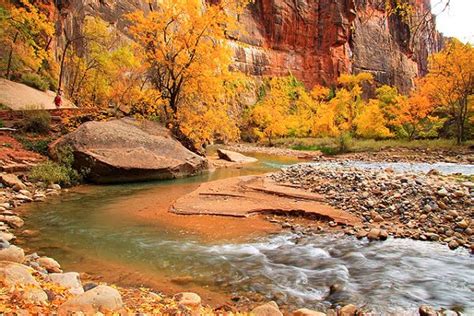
35	81
1	123
37	145
60	172
36	121
51	172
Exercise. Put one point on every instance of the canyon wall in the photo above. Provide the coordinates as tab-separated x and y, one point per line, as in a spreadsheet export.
315	40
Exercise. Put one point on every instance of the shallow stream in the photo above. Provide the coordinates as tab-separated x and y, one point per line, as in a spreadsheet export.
93	229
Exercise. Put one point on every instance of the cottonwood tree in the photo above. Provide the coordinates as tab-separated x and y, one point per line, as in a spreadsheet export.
186	49
450	84
25	34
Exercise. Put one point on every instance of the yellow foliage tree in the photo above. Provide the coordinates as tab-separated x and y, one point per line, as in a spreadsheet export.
184	44
449	84
371	122
25	33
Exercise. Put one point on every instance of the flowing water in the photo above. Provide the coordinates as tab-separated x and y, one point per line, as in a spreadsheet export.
95	225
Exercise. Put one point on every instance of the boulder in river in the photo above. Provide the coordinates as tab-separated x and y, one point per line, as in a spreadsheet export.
128	150
233	156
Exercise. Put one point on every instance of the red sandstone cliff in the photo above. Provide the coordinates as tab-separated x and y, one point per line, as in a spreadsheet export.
315	40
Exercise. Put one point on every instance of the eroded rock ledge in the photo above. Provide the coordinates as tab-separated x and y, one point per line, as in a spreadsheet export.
250	195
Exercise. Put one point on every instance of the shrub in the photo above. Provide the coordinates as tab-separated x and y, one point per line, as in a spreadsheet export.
51	172
1	123
37	145
35	81
36	121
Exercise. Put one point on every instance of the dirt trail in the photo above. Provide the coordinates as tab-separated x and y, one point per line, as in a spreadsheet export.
18	96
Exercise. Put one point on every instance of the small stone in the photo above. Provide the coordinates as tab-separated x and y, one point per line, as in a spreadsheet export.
12	254
307	312
268	309
453	244
11	180
426	310
373	234
13	221
348	310
6	236
442	192
188	299
54	186
462	224
383	234
50	264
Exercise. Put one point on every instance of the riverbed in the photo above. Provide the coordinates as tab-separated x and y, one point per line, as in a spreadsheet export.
125	234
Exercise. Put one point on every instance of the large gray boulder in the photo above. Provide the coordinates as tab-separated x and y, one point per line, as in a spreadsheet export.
128	150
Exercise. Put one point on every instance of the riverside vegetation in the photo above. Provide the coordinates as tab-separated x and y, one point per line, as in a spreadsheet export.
175	67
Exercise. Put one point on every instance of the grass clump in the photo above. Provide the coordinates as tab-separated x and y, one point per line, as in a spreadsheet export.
61	172
36	121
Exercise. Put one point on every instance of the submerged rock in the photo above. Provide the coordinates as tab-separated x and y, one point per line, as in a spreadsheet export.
128	150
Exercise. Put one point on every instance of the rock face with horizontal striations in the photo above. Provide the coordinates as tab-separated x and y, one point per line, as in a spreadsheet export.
314	40
128	150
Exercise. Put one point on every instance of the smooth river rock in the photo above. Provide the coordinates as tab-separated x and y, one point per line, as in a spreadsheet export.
268	309
12	254
233	156
69	280
102	298
129	150
307	312
14	275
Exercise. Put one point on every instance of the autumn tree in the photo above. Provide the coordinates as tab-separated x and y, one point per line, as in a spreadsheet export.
25	36
184	44
348	100
449	84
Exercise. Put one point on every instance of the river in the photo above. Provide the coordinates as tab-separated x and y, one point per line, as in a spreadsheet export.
124	233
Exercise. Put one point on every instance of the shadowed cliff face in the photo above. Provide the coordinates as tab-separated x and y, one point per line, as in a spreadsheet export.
315	40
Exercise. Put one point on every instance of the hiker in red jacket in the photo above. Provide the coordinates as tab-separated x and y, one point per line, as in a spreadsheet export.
58	100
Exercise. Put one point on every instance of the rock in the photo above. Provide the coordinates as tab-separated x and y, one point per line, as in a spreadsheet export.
373	234
442	192
188	299
307	312
348	310
102	299
426	310
453	244
268	309
462	224
6	236
54	186
376	217
50	264
383	234
15	275
12	181
12	254
13	221
234	157
69	281
128	150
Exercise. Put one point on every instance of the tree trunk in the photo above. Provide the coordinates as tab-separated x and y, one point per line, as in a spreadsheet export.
63	58
10	56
